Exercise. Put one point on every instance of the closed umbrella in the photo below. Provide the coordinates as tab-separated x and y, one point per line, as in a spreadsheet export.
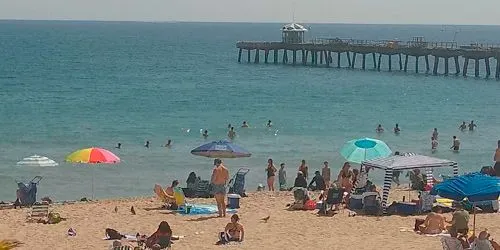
37	161
363	149
93	156
473	187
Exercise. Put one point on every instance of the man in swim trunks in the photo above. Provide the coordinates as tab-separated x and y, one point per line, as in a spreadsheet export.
463	126
456	144
434	222
460	221
220	177
472	126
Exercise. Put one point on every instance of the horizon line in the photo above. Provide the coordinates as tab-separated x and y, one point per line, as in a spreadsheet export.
234	22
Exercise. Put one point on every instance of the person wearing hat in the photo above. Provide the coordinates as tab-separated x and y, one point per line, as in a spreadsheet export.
220	177
300	180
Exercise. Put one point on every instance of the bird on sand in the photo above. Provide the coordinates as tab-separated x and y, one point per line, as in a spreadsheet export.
116	209
132	210
265	219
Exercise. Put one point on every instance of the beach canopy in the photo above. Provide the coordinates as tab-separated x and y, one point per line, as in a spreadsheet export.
221	149
363	149
37	161
406	161
93	156
474	187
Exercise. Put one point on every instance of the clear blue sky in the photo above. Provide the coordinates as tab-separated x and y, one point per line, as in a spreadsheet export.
307	11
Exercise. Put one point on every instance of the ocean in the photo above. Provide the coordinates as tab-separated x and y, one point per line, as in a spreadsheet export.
67	85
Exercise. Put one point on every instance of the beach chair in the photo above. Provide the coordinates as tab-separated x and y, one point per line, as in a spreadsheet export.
237	183
39	212
203	189
27	192
334	197
426	202
451	243
371	203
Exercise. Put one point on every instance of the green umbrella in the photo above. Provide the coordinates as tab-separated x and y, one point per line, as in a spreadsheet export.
360	150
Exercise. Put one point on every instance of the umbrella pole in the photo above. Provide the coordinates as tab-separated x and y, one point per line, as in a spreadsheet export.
93	183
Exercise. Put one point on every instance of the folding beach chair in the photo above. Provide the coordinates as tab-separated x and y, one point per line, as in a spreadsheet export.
451	243
203	189
27	192
39	212
371	204
334	197
237	183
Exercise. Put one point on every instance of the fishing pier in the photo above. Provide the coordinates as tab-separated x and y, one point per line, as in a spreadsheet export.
293	50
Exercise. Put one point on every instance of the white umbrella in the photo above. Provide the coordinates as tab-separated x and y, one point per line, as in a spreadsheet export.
37	161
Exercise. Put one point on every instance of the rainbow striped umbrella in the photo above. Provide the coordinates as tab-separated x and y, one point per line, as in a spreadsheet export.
93	156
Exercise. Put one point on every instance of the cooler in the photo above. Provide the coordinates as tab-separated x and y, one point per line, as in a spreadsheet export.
233	201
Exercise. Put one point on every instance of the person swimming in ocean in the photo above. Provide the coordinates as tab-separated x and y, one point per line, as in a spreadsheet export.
463	126
435	134
397	129
146	144
269	124
379	128
229	126
231	134
245	124
169	143
118	146
472	126
205	134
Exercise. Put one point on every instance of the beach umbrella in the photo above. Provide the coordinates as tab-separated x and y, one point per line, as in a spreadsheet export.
363	149
93	156
474	187
37	161
221	149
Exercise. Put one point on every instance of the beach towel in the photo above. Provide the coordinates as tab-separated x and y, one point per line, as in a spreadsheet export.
201	209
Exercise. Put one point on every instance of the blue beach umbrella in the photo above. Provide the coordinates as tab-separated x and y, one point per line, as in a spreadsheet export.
475	187
221	149
360	150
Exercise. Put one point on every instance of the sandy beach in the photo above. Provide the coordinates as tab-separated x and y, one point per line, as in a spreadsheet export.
284	230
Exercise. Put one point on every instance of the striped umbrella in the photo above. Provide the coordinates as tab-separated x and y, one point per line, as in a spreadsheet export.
37	161
93	156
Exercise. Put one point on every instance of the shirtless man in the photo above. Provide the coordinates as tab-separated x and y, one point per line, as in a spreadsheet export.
472	126
220	177
463	126
456	144
434	222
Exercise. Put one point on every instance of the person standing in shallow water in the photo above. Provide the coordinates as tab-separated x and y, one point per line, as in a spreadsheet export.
435	134
397	130
472	126
496	158
231	134
434	144
271	172
205	134
146	144
463	126
456	144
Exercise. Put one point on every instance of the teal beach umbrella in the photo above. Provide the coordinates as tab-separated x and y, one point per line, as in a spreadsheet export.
360	150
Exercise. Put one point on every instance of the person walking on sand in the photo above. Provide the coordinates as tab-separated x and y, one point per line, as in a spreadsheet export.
304	169
271	172
220	177
282	177
326	173
472	126
435	134
496	158
456	144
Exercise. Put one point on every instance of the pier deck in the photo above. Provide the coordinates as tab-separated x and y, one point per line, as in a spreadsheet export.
320	51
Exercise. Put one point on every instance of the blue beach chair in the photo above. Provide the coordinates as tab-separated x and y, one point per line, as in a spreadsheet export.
27	192
237	183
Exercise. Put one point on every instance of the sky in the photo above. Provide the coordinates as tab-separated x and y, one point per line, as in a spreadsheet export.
485	12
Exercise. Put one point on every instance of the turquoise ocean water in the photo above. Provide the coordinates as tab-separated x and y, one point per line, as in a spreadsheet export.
70	85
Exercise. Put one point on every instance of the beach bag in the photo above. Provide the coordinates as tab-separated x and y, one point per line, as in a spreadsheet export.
113	234
310	205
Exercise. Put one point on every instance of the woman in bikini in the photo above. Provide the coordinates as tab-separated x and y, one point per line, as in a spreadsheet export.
233	231
271	172
345	177
161	238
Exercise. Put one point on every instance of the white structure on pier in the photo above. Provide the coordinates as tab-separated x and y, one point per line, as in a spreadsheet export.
293	33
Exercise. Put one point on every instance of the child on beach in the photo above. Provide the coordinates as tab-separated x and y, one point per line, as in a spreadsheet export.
282	177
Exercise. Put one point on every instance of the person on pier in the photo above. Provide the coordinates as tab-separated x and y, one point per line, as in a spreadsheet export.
379	128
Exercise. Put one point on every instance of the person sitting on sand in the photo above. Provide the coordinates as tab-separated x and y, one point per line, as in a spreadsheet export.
161	238
434	222
245	124
300	180
233	231
318	181
169	191
460	220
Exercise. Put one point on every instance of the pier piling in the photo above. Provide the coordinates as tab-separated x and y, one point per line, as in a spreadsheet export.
266	56
239	55
416	64
257	57
338	59
390	63
436	63
466	66
379	61
406	63
457	65
248	55
294	59
354	54
446	66
275	55
374	61
476	67
487	65
426	63
364	62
